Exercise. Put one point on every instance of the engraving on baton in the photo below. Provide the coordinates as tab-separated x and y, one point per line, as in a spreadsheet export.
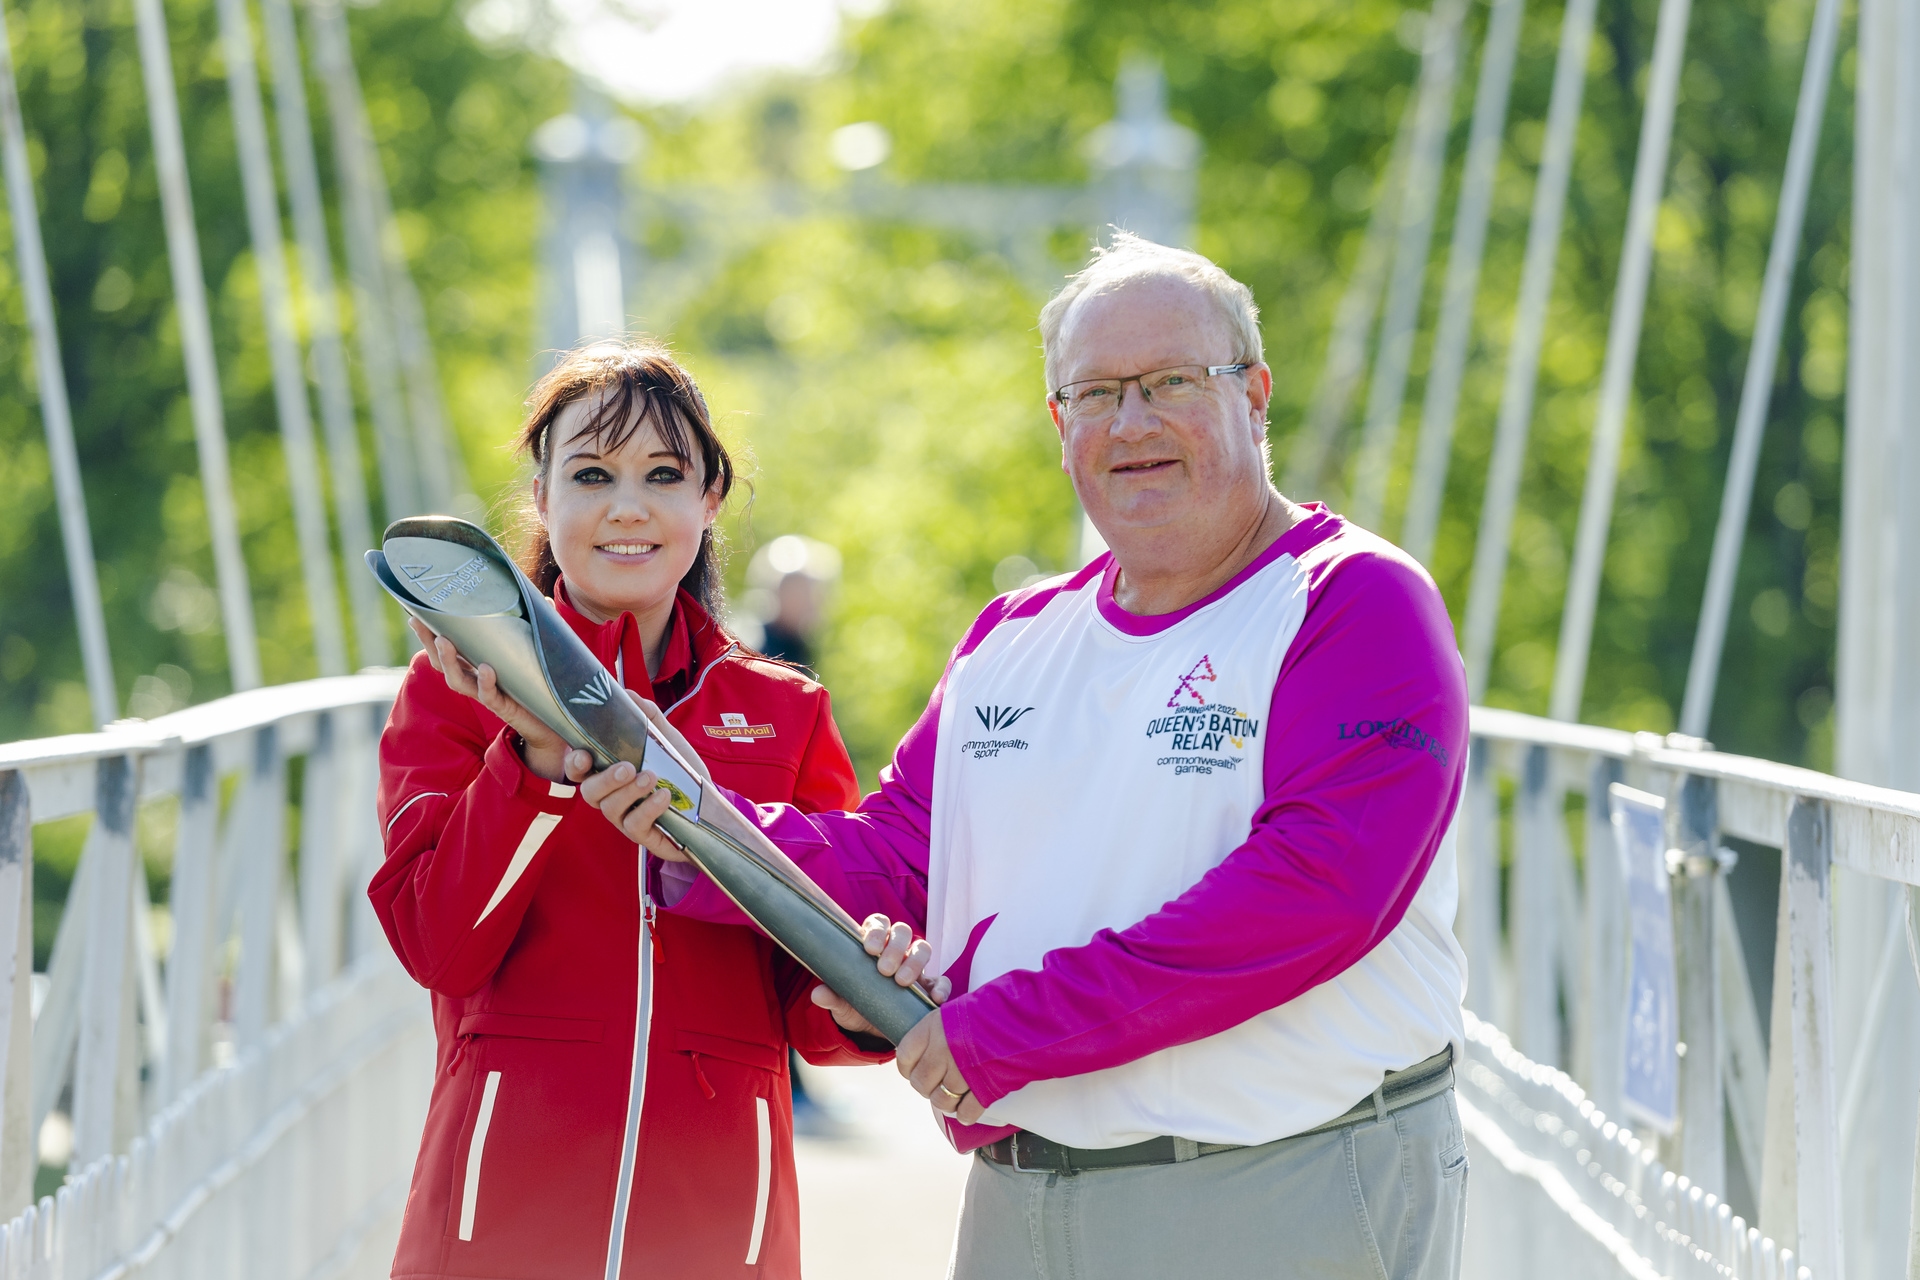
595	692
438	588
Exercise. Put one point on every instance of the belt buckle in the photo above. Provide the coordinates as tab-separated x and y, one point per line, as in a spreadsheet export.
1013	1149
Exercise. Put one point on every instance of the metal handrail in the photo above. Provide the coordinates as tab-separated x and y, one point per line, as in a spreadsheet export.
258	1058
1564	947
316	1004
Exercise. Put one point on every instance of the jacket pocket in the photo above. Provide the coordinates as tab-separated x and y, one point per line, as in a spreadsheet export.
527	1026
764	1056
469	1191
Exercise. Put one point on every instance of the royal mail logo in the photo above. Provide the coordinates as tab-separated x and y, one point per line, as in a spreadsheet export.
1189	686
595	692
734	725
998	718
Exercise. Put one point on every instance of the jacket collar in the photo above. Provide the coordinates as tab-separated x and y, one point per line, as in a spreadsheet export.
694	641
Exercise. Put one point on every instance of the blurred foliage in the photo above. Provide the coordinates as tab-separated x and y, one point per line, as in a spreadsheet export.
886	377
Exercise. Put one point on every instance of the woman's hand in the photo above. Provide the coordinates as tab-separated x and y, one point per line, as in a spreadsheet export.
898	955
546	752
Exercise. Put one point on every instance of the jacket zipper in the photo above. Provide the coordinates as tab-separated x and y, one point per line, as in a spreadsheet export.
637	1090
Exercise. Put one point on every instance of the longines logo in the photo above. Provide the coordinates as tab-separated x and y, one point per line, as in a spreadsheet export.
998	718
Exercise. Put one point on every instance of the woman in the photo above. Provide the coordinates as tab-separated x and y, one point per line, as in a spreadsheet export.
520	907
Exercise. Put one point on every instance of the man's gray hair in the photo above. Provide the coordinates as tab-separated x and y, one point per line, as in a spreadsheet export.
1129	257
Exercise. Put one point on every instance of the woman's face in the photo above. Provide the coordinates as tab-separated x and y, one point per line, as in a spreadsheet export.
625	524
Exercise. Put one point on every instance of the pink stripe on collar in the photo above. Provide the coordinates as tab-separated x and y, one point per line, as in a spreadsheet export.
1319	525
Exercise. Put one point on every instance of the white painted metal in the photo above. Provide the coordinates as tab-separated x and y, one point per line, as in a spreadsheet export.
1313	442
104	993
1694	836
293	1161
1600	1036
57	417
1623	351
189	971
283	343
360	219
323	329
1454	329
261	848
17	1137
1386	393
1756	392
1800	1192
1502	495
1539	845
196	343
1744	1045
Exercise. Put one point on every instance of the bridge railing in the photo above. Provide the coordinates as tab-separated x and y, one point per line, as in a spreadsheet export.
243	1069
245	1083
1549	939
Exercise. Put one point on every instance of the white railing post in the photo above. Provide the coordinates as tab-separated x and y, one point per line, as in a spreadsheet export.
364	835
104	989
1800	1192
1602	1024
1693	818
321	827
190	897
1534	916
1479	851
17	1138
262	853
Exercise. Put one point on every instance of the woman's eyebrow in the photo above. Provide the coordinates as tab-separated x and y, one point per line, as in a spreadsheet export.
578	454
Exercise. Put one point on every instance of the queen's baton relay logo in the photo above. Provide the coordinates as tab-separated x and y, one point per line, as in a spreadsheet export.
1204	736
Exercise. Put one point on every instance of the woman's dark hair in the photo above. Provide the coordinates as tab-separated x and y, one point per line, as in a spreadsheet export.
634	383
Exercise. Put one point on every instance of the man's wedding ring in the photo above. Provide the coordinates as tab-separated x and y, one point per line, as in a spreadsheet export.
957	1097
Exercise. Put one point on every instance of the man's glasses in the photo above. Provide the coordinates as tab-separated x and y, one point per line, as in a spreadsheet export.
1097	399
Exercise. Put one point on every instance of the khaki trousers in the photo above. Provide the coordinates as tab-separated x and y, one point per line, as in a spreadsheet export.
1381	1199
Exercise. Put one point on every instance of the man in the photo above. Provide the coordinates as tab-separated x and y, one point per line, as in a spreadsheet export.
1176	827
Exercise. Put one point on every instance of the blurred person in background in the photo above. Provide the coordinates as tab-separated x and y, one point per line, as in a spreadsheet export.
788	583
584	1122
1178	829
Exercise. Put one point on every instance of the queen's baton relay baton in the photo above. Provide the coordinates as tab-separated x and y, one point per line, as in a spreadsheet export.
455	578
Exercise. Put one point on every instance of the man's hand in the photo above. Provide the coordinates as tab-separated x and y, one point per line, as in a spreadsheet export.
546	752
898	955
926	1061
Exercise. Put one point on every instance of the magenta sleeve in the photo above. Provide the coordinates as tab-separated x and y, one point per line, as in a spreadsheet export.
1363	767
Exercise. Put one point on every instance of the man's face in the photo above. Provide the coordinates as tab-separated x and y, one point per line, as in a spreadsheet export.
1150	465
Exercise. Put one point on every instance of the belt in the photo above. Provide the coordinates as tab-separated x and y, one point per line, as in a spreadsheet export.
1031	1153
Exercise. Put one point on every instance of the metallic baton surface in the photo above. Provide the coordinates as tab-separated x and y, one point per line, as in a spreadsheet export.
455	578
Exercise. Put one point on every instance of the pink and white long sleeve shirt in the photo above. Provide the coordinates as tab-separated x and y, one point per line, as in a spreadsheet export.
1190	874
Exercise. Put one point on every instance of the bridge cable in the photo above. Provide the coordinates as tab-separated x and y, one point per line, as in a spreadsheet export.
1523	355
1756	393
1386	392
1623	349
196	344
56	415
283	343
1455	328
351	513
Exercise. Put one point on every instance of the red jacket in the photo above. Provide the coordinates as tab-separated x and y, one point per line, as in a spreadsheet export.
518	905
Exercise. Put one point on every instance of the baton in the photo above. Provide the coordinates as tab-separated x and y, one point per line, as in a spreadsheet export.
455	578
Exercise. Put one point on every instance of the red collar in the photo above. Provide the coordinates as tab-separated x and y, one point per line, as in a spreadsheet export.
694	641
